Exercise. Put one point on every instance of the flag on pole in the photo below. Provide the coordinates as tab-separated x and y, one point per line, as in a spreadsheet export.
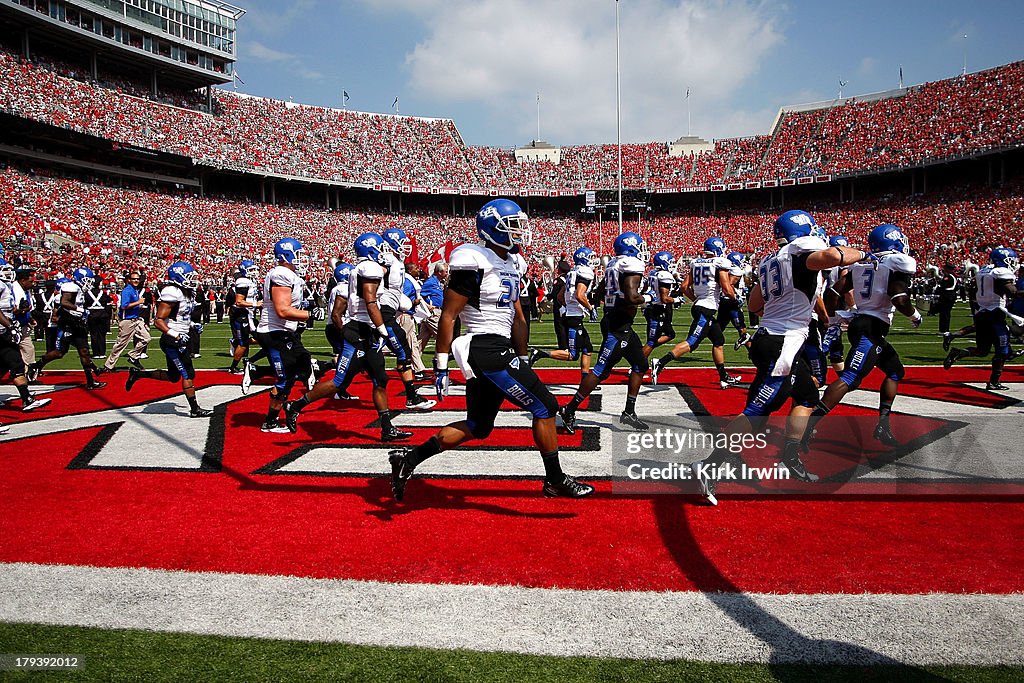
687	93
235	76
344	95
394	104
901	76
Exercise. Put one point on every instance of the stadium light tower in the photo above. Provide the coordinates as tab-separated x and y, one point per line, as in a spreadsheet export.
964	73
618	111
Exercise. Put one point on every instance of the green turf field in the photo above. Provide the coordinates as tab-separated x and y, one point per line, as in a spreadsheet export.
922	346
147	656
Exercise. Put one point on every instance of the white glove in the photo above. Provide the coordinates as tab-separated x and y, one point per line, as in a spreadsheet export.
915	320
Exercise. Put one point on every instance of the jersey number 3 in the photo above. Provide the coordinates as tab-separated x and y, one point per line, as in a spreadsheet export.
771	279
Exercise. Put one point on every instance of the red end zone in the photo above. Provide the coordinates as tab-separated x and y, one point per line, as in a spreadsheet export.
491	531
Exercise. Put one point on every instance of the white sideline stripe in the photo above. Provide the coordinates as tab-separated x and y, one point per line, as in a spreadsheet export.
977	629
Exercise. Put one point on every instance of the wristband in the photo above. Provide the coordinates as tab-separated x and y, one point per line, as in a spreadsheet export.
647	299
382	330
441	359
524	359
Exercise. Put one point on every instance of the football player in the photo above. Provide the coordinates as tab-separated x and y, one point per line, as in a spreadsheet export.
72	330
10	340
880	286
277	332
241	316
363	337
392	299
840	310
996	282
709	279
483	292
783	297
174	320
661	283
730	311
578	284
337	316
622	277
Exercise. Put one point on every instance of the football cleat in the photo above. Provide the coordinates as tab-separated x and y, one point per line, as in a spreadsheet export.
34	403
133	376
417	402
568	487
393	434
535	355
32	372
744	339
947	340
655	370
633	421
568	420
797	468
291	417
401	472
246	376
273	427
92	386
952	357
235	371
730	381
311	380
344	396
884	434
996	386
200	412
706	485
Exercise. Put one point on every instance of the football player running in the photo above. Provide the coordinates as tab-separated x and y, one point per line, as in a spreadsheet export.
363	337
996	282
174	320
783	298
241	316
277	332
578	284
10	341
392	301
72	329
661	283
840	309
483	292
622	277
880	286
708	280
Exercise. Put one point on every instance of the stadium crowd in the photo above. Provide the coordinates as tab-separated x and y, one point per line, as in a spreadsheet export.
938	120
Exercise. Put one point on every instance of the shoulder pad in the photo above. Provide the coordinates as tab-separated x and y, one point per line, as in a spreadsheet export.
900	263
370	269
467	257
631	265
805	244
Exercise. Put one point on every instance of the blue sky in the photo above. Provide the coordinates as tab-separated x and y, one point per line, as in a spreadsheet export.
482	62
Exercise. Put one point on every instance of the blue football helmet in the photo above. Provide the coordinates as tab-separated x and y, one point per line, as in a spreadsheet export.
714	246
663	261
793	225
1004	257
183	274
248	268
502	223
290	250
631	244
838	241
887	237
398	241
342	271
585	256
84	277
7	273
739	259
372	246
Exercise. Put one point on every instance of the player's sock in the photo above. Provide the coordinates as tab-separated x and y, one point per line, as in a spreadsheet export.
883	412
666	359
26	397
997	370
385	420
272	415
192	403
575	403
552	467
300	403
427	449
89	379
631	405
410	389
820	410
722	374
539	353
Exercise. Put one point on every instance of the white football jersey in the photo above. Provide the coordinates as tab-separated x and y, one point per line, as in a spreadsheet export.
181	302
704	271
390	291
248	289
988	299
339	290
491	309
7	304
657	279
364	271
614	273
871	283
72	288
279	276
788	286
578	275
